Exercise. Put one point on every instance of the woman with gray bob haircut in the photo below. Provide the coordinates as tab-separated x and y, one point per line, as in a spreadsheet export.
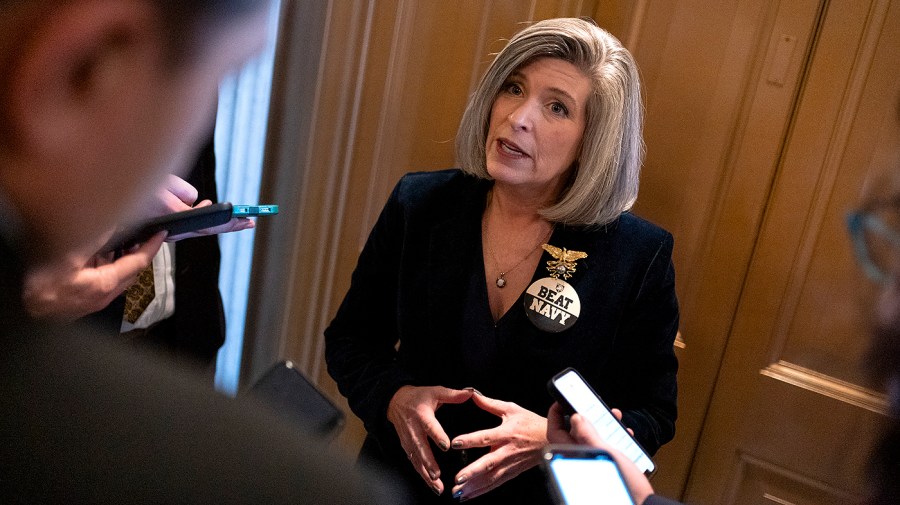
478	285
605	180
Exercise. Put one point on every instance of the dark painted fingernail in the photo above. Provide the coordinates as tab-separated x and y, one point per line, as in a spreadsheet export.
443	445
457	444
432	475
436	490
461	479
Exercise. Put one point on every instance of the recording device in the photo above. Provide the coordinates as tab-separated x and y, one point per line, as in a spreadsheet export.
580	475
576	395
292	396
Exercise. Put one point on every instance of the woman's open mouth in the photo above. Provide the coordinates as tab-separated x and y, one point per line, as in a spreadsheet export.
510	148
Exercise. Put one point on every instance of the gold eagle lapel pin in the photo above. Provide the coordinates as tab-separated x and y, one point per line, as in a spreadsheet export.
564	260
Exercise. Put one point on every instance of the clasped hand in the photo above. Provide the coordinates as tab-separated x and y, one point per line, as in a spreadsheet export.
514	445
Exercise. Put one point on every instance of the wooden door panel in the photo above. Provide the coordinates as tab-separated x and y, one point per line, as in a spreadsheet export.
809	427
792	408
714	128
762	483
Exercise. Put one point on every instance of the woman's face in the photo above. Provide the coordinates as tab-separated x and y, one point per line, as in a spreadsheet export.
536	126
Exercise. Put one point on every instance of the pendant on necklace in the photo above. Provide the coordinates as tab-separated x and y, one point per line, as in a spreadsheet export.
501	282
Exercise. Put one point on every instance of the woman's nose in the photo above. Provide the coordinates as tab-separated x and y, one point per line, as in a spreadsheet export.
521	116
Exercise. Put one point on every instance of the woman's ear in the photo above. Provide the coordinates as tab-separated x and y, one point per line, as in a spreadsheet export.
77	70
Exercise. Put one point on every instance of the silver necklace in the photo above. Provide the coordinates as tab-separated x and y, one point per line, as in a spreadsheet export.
501	281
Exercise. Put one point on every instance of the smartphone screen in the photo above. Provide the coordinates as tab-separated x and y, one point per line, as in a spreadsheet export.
581	475
573	392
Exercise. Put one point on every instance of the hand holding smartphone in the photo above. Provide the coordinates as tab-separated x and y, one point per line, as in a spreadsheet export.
580	475
177	223
575	395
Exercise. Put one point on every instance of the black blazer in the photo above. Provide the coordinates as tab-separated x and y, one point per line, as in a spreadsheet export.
420	281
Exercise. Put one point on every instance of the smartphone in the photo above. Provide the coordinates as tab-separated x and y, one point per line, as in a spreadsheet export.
175	223
255	210
291	395
581	475
575	395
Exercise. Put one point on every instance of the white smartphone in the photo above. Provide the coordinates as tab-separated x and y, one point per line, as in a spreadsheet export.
581	475
576	395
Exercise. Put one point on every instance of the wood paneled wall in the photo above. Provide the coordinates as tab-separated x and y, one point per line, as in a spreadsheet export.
369	90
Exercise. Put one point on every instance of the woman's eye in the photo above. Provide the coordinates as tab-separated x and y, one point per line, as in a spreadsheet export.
513	89
559	109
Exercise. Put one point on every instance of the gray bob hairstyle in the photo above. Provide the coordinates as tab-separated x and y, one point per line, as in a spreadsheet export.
604	179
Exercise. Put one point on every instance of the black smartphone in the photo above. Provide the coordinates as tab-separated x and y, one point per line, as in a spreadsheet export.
581	475
291	395
175	223
575	395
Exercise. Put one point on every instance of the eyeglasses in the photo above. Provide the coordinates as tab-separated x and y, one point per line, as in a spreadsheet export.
876	239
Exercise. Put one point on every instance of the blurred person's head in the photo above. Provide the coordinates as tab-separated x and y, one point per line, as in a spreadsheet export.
99	99
603	180
875	229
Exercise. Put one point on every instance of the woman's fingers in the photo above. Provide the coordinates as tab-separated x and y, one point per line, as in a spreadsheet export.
411	411
476	478
491	471
514	447
436	432
496	407
415	444
443	396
